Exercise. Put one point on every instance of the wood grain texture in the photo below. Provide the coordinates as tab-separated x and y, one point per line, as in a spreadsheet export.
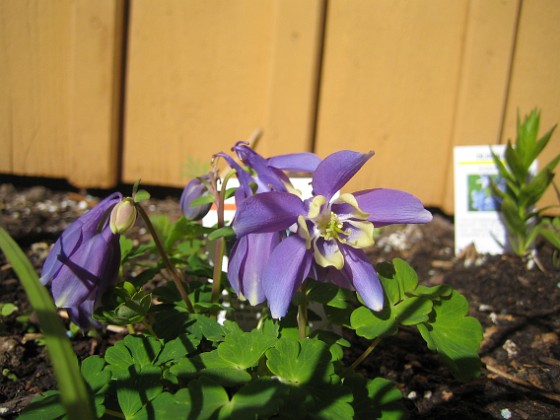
34	90
96	93
535	77
391	72
203	75
58	92
484	81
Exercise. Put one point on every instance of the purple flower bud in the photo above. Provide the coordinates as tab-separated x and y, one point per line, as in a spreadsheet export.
123	216
84	262
195	189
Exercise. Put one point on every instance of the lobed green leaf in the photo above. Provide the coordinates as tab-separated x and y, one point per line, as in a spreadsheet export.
454	335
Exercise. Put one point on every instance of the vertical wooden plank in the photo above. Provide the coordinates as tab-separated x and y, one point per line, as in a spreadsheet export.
58	105
203	75
34	64
485	71
535	78
196	83
389	84
97	57
297	37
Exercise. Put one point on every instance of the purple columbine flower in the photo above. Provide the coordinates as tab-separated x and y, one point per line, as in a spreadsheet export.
250	253
194	189
330	234
83	262
262	174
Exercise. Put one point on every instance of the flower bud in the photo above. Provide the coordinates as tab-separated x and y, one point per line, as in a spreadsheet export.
195	189
123	216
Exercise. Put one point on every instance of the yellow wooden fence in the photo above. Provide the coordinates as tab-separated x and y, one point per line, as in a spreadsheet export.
107	91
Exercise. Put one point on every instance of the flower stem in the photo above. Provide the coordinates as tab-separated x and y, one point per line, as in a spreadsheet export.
178	277
302	317
362	357
217	273
220	246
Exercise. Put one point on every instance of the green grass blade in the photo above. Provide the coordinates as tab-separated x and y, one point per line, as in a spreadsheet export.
73	392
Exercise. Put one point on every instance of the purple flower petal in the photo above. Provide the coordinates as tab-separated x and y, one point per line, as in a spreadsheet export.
196	188
267	178
72	238
298	162
363	276
287	268
93	266
248	258
267	212
83	262
336	170
386	206
244	178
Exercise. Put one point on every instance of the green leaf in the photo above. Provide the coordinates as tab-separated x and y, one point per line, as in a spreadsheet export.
178	348
515	165
6	309
119	359
202	200
329	294
230	192
400	283
142	385
372	325
46	406
169	406
223	232
406	277
502	169
541	144
329	401
299	361
527	138
530	193
220	370
261	398
94	372
208	396
186	368
207	327
244	349
387	273
141	195
433	292
454	335
514	223
72	388
551	235
184	229
144	349
97	377
378	398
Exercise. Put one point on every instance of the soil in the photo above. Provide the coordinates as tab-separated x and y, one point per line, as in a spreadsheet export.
518	308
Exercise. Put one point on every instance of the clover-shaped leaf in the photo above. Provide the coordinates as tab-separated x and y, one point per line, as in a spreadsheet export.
244	349
261	398
300	361
410	311
169	406
378	398
454	335
177	348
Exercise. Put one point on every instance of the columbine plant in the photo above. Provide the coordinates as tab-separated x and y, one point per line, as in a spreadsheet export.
517	201
287	253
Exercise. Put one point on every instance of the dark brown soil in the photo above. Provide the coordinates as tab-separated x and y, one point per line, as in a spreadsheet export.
518	308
